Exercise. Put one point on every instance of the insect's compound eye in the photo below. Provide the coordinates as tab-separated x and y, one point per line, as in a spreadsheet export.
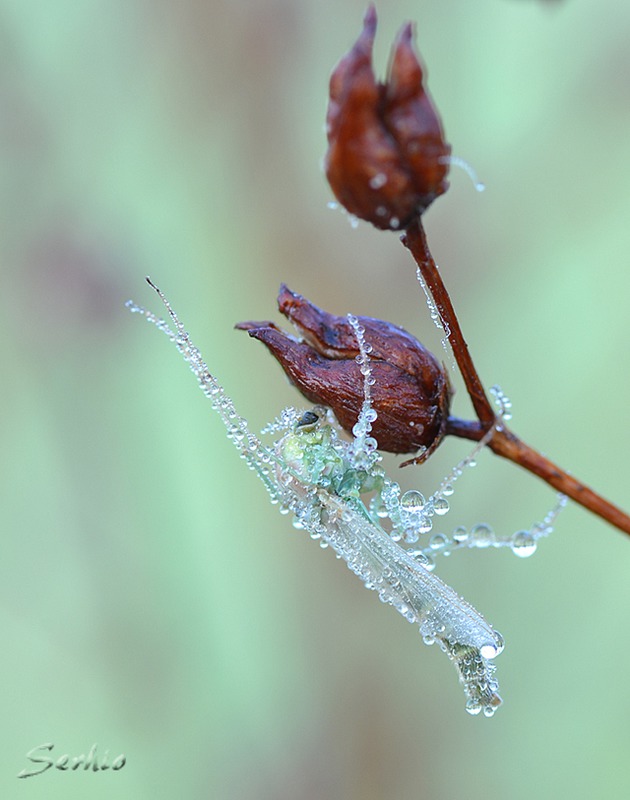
307	421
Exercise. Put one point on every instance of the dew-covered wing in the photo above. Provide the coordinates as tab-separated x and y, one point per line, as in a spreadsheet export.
420	596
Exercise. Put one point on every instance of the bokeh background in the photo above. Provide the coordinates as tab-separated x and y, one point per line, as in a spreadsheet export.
153	602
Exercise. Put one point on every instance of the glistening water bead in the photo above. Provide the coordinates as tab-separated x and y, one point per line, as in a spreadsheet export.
412	502
523	544
482	535
440	506
425	525
460	534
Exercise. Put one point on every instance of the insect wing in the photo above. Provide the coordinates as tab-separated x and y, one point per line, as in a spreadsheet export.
421	597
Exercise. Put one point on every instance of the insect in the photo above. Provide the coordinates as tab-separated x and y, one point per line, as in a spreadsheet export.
322	478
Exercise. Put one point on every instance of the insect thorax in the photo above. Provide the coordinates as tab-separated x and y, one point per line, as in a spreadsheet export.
316	454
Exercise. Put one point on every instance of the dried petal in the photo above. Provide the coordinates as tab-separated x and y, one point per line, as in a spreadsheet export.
410	116
411	393
387	159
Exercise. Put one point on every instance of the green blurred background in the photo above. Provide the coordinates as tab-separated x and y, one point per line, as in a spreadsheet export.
153	601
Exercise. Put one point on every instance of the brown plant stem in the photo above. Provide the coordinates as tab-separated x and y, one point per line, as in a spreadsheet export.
506	444
503	442
415	240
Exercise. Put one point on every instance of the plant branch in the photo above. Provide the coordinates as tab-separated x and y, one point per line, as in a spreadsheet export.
506	444
503	442
415	240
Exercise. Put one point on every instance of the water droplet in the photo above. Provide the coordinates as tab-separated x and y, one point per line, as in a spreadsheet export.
378	507
473	707
412	502
460	534
523	544
424	560
447	490
428	563
333	204
441	506
358	429
425	525
482	535
438	541
489	650
379	180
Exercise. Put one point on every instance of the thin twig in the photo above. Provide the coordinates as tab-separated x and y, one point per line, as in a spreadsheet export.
415	240
507	445
502	442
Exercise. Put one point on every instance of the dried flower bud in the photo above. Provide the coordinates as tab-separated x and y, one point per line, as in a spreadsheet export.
387	159
411	392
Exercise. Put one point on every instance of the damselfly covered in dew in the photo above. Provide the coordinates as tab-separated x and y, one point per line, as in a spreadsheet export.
312	472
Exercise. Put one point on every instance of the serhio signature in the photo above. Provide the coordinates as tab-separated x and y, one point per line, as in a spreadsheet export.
92	761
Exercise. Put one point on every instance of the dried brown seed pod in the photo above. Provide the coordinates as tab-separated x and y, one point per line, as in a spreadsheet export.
411	391
387	159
